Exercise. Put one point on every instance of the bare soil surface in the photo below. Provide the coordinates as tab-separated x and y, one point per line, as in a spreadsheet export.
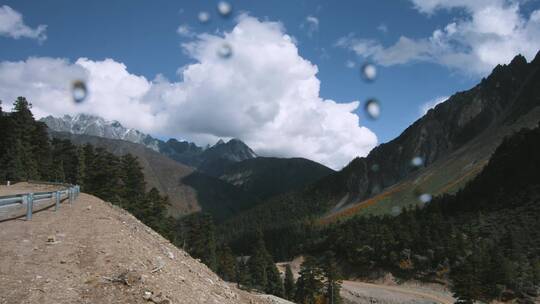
93	252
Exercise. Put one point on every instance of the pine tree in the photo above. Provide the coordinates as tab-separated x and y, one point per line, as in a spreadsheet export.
41	150
152	210
11	166
133	190
81	168
88	159
333	282
24	124
243	278
226	264
289	283
201	239
274	284
309	286
258	264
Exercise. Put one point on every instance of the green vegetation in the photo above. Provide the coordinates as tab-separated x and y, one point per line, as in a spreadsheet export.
289	286
484	239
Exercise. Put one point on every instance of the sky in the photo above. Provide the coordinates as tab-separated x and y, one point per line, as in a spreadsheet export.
283	76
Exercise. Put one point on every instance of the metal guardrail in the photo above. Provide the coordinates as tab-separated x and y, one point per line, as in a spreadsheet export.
29	199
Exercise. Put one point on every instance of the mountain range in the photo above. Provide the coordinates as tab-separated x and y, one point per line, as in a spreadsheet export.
439	153
185	152
223	179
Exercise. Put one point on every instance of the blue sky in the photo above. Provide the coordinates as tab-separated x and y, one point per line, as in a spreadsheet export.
330	34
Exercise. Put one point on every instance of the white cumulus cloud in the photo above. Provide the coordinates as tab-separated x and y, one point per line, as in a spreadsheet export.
491	33
265	94
12	25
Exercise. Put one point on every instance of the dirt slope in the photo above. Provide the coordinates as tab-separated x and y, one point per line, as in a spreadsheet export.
93	252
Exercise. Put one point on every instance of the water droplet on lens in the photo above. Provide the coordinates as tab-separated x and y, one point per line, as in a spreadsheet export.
225	51
373	108
369	72
204	17
224	8
425	198
396	210
375	167
417	161
79	91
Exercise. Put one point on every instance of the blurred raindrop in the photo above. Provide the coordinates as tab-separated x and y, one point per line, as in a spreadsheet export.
396	210
373	108
376	189
204	17
425	198
224	8
369	72
225	51
79	91
375	167
417	161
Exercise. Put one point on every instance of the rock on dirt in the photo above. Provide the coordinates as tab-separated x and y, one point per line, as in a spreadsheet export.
101	254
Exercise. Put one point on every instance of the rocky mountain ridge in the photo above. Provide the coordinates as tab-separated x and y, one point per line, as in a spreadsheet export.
188	190
96	126
487	110
185	152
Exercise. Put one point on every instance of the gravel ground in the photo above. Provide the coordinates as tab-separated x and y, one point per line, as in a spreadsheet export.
93	252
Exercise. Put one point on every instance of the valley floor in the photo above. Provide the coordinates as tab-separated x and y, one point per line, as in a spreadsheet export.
93	252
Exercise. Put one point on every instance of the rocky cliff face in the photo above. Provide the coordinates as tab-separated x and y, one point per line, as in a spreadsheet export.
499	100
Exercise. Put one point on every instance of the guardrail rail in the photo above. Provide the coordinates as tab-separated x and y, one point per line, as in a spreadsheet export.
24	204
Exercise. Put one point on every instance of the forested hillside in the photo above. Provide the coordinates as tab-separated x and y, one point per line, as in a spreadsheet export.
484	240
453	142
265	177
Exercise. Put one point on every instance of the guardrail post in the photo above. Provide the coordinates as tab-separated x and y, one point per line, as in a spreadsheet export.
57	200
29	198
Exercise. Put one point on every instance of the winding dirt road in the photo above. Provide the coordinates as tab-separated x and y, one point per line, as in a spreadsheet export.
360	292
